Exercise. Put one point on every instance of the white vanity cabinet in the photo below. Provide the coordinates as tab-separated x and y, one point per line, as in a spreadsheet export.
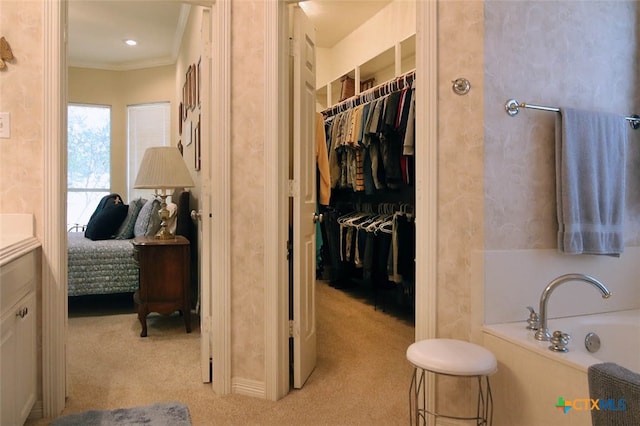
18	356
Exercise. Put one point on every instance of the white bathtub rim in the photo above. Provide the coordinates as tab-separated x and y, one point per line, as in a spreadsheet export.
517	334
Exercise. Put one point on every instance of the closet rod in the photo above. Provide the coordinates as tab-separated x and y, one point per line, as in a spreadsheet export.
513	108
375	91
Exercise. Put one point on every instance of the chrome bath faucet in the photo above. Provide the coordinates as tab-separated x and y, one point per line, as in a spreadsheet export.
543	331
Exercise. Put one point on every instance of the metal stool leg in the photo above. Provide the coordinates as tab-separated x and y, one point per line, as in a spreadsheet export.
419	413
485	403
489	409
417	405
412	397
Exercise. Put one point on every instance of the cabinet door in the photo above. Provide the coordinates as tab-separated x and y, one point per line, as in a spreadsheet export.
26	361
18	372
162	273
8	373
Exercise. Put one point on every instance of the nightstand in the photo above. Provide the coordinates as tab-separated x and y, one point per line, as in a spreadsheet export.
164	278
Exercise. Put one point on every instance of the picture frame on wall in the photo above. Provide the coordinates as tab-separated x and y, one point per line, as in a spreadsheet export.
185	101
187	133
180	119
193	85
199	82
188	83
196	148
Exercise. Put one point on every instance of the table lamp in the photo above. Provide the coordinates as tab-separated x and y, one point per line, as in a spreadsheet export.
163	169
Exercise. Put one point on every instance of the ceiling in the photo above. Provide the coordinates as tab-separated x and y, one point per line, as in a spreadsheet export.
335	19
98	29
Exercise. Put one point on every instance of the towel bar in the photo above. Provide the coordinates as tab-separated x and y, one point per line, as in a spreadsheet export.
513	108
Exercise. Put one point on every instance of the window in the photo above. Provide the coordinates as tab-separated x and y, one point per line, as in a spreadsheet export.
88	159
148	125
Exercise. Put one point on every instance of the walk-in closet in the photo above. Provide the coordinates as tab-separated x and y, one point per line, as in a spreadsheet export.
366	178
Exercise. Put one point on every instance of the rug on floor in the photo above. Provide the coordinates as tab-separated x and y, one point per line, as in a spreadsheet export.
159	414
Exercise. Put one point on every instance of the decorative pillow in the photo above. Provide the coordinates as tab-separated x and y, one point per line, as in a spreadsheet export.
105	223
150	208
104	201
154	220
126	229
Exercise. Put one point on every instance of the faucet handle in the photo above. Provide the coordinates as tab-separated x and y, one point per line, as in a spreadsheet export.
559	341
533	322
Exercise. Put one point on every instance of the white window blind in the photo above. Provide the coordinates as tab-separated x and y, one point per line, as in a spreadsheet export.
148	125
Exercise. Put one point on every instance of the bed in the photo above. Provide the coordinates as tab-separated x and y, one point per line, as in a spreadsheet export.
100	267
107	266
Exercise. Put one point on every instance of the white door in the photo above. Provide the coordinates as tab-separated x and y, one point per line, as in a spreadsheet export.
304	199
205	214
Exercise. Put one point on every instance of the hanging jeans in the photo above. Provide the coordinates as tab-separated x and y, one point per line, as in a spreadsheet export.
331	227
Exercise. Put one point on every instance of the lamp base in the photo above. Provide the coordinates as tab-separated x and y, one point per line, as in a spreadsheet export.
163	233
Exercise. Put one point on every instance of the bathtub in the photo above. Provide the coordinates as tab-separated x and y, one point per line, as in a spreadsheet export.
531	378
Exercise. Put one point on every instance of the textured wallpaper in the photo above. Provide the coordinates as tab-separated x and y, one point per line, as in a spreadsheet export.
460	177
460	137
247	190
21	82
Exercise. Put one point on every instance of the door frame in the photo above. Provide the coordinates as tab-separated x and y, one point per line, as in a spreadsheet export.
220	155
276	186
276	205
54	242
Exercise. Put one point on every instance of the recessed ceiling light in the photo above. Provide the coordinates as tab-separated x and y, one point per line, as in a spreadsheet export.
131	42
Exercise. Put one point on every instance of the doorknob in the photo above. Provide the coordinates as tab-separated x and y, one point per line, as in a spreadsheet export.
196	215
317	218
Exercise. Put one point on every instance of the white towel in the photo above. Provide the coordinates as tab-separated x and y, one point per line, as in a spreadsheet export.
591	153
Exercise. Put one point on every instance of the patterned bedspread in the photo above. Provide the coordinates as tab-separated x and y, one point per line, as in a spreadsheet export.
100	267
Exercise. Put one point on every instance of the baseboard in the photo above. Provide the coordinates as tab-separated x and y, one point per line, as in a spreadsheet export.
36	411
249	388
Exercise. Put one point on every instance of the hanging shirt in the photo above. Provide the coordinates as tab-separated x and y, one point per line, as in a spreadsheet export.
334	162
390	143
409	134
356	126
322	160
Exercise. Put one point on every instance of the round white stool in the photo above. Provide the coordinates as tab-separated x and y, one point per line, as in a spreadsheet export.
453	358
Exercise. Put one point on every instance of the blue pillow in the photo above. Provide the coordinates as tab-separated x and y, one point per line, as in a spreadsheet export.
149	210
126	229
154	221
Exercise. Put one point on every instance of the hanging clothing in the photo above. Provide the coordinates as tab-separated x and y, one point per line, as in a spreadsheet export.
322	160
368	145
369	239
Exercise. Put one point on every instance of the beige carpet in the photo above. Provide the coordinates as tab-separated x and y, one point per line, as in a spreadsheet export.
361	378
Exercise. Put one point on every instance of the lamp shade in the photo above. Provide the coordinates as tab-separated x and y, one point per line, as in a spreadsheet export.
162	167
